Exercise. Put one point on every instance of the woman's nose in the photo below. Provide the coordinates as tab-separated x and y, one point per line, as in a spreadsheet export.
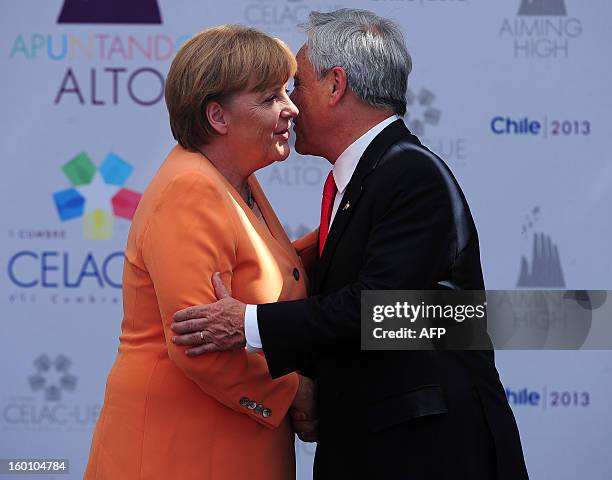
291	111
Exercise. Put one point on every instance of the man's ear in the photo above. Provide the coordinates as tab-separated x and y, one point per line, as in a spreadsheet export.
338	84
217	117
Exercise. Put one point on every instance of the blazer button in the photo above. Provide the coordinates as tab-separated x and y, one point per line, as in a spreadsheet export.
252	405
266	412
259	408
244	401
296	274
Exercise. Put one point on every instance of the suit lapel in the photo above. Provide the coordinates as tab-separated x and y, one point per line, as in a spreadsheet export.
274	236
367	163
277	232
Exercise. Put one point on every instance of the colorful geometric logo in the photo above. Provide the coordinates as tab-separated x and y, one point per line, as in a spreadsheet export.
95	197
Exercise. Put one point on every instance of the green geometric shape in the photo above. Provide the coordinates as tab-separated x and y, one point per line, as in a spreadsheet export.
80	170
97	225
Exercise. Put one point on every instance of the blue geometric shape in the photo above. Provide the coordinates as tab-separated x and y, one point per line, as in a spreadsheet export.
115	170
70	204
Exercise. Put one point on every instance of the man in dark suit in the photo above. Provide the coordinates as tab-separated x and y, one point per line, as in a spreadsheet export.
392	217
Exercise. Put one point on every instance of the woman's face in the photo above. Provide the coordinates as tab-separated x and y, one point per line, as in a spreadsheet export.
259	126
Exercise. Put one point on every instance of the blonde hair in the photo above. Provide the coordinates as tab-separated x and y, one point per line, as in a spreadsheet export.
212	66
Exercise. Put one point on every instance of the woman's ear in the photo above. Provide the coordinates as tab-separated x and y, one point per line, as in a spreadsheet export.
216	117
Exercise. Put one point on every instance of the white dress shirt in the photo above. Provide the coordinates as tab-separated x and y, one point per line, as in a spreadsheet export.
342	170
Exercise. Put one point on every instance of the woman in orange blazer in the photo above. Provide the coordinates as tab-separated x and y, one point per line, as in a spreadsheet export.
167	415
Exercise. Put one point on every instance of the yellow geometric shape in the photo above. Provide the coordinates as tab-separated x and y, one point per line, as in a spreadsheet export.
98	225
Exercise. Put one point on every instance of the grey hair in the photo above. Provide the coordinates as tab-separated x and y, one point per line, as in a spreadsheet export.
369	48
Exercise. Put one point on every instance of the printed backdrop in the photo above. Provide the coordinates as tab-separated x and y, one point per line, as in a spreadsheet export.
514	94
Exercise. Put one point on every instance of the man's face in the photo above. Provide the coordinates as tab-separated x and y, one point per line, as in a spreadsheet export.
310	98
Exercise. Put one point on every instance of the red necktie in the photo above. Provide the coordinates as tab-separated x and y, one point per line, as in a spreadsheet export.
329	194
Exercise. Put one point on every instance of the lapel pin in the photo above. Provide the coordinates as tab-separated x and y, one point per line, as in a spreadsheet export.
346	206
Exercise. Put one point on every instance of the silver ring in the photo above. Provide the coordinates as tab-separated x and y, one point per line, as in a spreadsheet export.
202	335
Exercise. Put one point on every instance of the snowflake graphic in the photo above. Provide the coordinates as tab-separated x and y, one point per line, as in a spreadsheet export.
420	111
94	197
52	377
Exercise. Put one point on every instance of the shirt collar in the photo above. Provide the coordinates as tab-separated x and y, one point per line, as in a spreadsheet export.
347	161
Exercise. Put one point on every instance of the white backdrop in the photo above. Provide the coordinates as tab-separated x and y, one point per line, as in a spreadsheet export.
512	93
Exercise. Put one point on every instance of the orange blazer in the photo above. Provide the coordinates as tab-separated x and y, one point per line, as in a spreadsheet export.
216	416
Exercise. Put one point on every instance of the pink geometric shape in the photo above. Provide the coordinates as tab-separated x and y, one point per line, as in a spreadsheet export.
125	202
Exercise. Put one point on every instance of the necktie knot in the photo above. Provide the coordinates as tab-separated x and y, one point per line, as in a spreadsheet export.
329	195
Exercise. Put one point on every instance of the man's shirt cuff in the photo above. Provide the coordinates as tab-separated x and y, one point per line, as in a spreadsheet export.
251	329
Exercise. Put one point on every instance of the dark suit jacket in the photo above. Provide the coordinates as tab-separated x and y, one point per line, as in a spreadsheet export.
403	224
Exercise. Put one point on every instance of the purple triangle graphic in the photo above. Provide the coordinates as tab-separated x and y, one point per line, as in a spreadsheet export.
110	11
